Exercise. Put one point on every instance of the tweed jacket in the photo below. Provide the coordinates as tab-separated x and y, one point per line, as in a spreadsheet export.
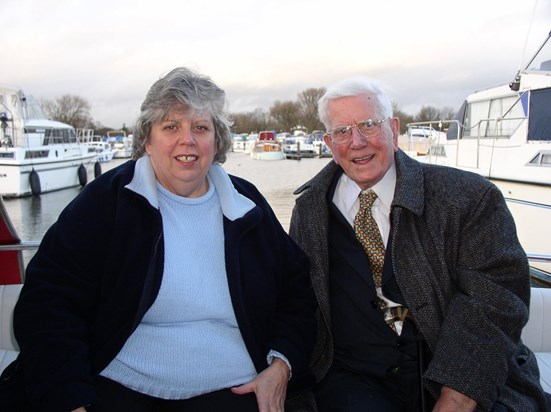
461	271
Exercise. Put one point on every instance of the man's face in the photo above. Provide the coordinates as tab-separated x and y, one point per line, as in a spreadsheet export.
364	160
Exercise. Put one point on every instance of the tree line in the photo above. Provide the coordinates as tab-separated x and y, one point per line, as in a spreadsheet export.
281	116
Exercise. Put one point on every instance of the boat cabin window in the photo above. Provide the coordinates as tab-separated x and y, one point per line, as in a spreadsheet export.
481	118
36	154
539	123
52	136
543	158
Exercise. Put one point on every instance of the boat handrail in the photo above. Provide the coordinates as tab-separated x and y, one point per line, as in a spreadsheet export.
541	258
31	245
27	245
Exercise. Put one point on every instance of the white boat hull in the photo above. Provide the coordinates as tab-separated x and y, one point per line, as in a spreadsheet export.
268	155
530	206
57	171
122	153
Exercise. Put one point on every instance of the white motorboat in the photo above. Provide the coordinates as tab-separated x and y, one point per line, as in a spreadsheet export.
103	150
37	155
121	143
267	148
96	144
504	134
239	143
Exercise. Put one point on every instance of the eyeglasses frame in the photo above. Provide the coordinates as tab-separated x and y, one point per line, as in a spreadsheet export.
373	123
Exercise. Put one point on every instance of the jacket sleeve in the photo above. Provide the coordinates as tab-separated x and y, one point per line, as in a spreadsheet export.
280	303
294	328
55	309
485	306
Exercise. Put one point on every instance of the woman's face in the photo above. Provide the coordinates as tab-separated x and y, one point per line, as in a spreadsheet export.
182	149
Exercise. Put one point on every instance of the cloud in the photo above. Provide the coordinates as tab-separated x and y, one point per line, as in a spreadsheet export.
110	52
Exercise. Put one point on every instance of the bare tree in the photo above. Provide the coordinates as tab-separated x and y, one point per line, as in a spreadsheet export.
286	114
404	118
447	113
308	100
254	121
427	114
70	109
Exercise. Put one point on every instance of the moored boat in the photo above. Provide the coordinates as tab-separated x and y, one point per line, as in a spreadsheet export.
37	155
504	134
267	148
121	143
103	150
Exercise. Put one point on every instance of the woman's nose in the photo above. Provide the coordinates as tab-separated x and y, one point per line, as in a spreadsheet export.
186	136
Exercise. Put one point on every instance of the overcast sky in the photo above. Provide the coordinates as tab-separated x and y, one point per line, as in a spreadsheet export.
425	52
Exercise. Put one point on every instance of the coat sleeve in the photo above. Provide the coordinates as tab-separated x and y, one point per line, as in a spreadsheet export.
279	303
485	304
55	309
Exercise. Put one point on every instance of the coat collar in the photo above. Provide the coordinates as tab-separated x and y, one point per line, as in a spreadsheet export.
234	205
410	184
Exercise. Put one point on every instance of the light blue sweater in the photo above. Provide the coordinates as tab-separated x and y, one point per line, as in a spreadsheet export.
188	342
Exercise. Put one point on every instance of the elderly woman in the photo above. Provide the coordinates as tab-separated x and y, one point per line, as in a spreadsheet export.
166	284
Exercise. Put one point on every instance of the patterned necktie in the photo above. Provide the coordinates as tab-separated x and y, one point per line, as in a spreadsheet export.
370	238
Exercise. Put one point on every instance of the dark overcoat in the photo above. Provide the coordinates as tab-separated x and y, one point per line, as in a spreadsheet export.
461	270
99	269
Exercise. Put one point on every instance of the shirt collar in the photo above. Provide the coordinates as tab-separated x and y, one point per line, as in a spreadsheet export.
348	191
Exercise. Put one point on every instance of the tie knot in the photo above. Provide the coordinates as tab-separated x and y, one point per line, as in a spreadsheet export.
367	199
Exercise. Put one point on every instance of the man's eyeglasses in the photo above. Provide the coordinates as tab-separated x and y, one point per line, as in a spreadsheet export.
368	129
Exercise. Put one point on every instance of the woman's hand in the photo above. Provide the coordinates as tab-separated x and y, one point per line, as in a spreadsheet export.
270	387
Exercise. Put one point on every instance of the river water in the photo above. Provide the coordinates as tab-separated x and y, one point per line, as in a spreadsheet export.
276	179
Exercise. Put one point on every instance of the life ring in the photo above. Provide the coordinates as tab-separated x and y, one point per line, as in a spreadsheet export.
82	175
34	181
97	169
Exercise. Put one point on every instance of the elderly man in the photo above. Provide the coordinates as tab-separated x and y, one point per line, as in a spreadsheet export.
415	266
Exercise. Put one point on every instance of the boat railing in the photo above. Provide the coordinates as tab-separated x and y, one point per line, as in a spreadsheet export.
481	127
21	246
539	277
439	126
542	258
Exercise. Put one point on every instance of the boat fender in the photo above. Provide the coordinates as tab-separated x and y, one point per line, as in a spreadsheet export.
97	169
82	175
34	181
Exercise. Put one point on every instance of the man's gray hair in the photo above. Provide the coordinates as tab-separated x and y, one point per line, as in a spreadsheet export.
354	87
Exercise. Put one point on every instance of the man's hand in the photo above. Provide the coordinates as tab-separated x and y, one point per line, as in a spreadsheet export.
270	387
453	401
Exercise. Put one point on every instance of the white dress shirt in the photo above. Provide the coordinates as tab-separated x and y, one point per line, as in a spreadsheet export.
346	200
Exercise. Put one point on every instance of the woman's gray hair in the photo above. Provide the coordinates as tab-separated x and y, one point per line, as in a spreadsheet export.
196	93
354	87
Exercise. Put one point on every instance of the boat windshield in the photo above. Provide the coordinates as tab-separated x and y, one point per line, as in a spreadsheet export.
52	136
33	108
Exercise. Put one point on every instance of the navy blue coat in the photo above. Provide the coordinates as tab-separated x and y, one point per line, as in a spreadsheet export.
99	269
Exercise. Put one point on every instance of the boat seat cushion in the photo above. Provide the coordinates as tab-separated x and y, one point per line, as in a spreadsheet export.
8	345
536	335
544	363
